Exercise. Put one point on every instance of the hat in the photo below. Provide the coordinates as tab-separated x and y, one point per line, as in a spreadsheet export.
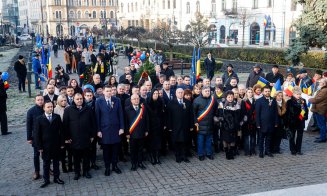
230	65
319	72
20	57
256	66
303	71
275	66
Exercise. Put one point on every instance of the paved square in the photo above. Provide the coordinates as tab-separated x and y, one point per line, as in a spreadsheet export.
218	177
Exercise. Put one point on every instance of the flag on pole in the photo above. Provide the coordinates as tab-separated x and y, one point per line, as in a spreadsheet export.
43	60
262	82
49	64
110	45
193	69
276	87
198	65
289	90
305	89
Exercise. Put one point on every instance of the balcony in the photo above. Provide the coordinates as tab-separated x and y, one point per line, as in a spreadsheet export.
232	13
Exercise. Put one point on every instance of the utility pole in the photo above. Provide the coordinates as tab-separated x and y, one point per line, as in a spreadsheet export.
41	3
105	18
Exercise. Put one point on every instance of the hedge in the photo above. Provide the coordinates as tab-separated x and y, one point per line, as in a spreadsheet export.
313	59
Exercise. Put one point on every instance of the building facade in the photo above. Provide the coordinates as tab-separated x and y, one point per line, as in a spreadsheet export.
10	16
264	23
77	17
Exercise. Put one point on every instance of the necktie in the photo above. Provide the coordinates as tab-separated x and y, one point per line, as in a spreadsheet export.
180	102
136	108
49	118
109	103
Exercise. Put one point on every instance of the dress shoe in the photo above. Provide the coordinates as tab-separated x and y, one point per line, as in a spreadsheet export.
107	172
201	158
299	153
94	166
86	174
293	153
320	141
210	157
116	169
36	176
134	168
45	184
270	154
178	160
142	166
186	160
77	175
261	155
7	133
58	181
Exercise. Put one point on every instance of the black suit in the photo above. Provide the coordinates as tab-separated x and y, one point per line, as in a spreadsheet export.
54	99
180	121
49	138
138	135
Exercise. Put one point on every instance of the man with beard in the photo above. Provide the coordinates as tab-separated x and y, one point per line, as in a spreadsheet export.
51	96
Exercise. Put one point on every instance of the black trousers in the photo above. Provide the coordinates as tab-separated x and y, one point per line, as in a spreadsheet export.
93	150
276	139
67	152
249	143
46	167
36	158
296	143
136	146
264	142
4	122
68	68
81	155
123	146
21	83
110	154
180	150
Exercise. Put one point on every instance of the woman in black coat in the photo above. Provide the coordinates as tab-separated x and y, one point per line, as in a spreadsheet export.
155	107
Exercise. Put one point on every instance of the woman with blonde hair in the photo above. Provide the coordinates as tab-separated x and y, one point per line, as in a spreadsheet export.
279	132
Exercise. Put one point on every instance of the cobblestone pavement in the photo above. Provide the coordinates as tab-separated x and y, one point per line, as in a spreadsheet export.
218	177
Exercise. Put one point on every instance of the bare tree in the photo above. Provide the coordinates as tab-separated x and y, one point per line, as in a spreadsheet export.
198	31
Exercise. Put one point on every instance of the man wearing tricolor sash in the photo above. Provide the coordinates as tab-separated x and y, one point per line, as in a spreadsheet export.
137	127
204	109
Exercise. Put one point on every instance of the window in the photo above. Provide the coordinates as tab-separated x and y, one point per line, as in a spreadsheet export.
132	7
129	23
79	2
71	14
293	5
174	4
188	9
103	14
94	14
57	2
234	5
168	4
58	14
269	3
122	7
136	6
198	6
223	5
213	6
111	14
127	7
110	2
87	15
103	2
86	3
163	4
94	2
255	4
137	23
70	2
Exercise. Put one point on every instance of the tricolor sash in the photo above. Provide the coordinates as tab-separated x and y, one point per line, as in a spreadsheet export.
206	110
136	120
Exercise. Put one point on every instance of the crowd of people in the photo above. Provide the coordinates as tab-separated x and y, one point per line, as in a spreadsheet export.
144	120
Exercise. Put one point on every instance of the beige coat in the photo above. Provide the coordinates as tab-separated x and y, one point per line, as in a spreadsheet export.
319	101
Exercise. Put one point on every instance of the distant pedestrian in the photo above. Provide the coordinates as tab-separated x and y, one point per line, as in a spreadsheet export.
3	108
21	71
209	64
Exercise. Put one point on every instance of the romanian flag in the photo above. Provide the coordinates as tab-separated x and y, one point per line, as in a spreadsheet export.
262	82
136	120
301	116
193	71
49	64
81	76
289	90
305	89
310	89
6	85
198	65
276	87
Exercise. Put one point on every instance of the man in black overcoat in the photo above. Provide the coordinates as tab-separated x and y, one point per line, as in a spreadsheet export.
180	122
137	134
48	140
266	120
21	71
80	130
